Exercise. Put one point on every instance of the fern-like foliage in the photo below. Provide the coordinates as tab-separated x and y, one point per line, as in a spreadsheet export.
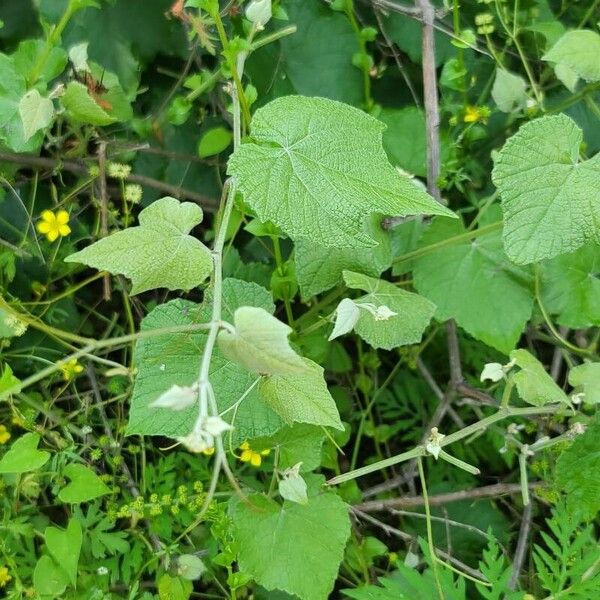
568	564
497	572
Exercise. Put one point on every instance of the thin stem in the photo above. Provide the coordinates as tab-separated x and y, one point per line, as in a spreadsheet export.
550	325
51	41
419	451
434	564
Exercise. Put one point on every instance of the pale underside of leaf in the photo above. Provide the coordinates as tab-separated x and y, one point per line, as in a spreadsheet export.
551	201
159	253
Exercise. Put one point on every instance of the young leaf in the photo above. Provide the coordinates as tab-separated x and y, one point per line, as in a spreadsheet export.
65	546
292	486
260	343
85	485
346	316
474	283
9	384
551	200
317	169
23	455
509	91
158	253
301	398
534	385
36	113
578	471
80	106
296	548
398	317
587	377
577	50
571	287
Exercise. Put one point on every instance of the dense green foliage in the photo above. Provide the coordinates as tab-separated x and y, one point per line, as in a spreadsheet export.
299	299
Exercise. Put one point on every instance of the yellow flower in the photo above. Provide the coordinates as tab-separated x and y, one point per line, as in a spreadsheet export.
474	114
4	434
209	451
4	577
70	369
252	456
53	225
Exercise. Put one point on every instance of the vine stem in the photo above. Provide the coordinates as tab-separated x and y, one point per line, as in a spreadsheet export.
420	451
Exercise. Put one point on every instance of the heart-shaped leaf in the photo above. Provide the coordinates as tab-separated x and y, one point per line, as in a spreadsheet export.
550	199
65	546
24	456
84	485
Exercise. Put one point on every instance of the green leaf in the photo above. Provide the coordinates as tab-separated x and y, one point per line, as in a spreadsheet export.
317	169
49	579
214	141
23	455
299	443
577	50
158	253
65	546
509	91
319	269
578	471
551	200
296	548
85	485
36	113
474	283
9	384
311	65
80	106
586	378
571	287
534	385
260	343
11	326
301	398
173	359
404	139
412	312
174	588
406	33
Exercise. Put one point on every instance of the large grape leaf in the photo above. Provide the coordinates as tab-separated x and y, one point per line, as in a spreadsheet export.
318	269
296	548
317	169
412	312
571	287
550	199
159	253
474	283
174	359
578	471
